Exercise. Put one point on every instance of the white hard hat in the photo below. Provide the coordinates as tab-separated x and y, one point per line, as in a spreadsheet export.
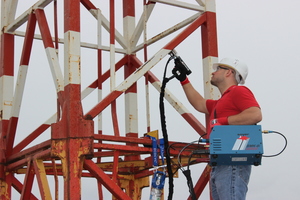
240	68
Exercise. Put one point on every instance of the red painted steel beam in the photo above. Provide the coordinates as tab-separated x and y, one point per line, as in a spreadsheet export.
115	166
71	15
71	123
115	118
28	40
6	69
22	162
44	28
30	138
134	149
103	104
128	8
104	179
99	67
109	154
12	127
145	140
68	133
25	56
88	4
7	44
47	41
19	187
186	32
209	36
7	54
28	183
209	42
112	21
36	148
144	173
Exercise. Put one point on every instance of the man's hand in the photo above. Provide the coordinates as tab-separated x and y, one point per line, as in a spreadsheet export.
181	70
219	121
179	73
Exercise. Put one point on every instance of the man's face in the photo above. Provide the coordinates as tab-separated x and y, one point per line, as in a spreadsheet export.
219	75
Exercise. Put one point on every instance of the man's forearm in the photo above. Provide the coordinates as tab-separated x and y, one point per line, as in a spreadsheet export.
195	99
249	116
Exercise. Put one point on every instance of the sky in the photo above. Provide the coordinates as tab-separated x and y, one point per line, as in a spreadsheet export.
264	34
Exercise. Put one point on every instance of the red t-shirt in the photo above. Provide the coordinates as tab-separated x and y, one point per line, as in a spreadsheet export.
234	100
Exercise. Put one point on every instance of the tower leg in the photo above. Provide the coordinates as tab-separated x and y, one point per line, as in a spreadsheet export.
133	187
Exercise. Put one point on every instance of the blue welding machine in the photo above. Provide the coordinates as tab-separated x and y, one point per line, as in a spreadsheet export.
236	145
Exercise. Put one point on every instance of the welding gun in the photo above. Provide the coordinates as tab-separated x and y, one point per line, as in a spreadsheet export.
181	70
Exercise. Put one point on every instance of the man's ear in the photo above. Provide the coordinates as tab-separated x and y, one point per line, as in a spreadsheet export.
229	73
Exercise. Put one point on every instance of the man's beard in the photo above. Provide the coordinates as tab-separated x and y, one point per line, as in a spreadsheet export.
213	83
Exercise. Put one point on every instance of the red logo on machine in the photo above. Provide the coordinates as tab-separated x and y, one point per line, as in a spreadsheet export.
241	143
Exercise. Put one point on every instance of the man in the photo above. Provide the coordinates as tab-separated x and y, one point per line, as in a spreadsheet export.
237	106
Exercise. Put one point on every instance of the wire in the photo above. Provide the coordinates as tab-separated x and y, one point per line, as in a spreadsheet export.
189	161
166	140
188	176
285	145
201	136
178	157
178	164
168	152
164	130
187	172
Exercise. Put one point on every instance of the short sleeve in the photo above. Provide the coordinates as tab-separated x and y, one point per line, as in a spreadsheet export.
244	98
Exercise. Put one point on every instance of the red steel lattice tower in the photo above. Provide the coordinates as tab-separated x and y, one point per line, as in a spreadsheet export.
75	147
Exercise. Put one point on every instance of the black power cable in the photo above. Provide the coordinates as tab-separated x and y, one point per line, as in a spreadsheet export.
285	145
187	172
181	68
164	131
